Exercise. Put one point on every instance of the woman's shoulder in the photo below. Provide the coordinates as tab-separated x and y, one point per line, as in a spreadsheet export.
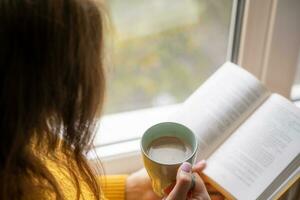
62	172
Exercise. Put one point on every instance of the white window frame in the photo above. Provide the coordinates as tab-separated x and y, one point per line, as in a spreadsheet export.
256	41
270	42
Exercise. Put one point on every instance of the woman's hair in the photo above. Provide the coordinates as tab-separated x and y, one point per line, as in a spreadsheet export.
51	90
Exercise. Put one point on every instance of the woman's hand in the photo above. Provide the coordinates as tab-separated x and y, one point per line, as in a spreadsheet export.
182	189
138	187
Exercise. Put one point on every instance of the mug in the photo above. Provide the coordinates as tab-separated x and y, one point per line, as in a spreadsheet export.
162	175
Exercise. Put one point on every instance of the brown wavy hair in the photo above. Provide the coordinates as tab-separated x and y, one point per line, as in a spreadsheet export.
51	90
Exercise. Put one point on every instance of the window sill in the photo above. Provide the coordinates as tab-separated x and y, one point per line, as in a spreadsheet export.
118	137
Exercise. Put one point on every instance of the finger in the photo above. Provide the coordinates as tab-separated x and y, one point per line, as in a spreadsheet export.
200	188
199	167
183	183
196	168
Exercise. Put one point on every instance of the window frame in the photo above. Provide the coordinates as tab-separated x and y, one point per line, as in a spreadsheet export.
268	42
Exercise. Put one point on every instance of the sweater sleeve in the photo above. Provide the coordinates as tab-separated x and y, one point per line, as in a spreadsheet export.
113	186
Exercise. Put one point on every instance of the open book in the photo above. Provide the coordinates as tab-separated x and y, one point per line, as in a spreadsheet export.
249	137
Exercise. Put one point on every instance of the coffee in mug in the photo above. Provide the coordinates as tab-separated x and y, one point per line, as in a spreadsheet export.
169	150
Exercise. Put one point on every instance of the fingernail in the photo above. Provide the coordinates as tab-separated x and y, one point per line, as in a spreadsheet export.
187	167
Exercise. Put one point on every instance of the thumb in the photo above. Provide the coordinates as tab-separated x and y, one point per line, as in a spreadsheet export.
183	183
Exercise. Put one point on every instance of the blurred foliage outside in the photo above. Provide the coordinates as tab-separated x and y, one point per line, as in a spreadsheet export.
160	51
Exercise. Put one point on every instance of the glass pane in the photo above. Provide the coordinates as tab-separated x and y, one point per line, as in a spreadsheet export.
160	51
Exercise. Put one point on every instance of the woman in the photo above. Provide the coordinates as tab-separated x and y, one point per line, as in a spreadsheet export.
52	89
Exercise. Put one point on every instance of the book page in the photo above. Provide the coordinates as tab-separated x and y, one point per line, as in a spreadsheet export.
226	99
258	151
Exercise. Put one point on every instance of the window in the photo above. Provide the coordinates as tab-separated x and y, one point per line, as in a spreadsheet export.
162	50
158	53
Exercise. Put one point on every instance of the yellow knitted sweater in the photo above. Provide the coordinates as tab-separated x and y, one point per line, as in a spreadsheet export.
111	187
